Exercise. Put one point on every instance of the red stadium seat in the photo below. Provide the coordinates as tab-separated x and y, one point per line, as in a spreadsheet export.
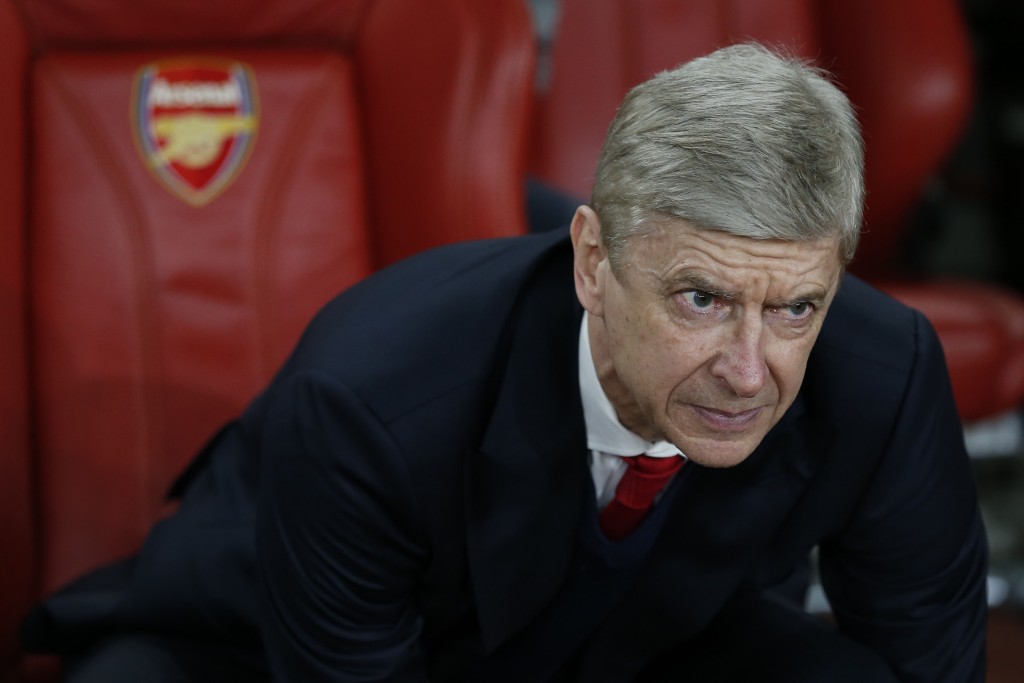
183	185
906	66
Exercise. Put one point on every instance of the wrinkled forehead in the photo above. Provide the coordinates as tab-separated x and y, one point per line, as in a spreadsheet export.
676	250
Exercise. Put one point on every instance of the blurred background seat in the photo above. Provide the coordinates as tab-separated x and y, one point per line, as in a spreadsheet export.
906	65
183	185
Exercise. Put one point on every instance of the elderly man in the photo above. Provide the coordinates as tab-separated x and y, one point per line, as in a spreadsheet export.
471	470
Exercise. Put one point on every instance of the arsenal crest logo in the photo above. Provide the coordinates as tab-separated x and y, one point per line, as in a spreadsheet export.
195	122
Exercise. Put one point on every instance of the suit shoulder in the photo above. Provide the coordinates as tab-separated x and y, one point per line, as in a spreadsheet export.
428	324
869	326
868	349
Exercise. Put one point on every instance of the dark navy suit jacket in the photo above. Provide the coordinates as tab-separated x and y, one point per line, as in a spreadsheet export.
414	476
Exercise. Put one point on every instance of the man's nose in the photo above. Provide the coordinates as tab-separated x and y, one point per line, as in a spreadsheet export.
740	361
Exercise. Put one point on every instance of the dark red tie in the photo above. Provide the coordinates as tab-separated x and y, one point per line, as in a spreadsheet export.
635	493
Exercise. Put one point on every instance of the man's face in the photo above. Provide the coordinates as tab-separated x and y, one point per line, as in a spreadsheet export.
701	338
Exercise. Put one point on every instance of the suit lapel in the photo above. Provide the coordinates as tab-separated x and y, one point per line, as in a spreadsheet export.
525	485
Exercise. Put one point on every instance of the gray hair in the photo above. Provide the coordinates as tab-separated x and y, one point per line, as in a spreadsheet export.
745	141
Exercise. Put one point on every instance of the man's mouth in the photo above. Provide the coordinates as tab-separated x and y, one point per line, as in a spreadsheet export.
725	420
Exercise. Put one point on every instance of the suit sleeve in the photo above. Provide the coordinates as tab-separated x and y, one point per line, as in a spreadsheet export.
908	576
337	542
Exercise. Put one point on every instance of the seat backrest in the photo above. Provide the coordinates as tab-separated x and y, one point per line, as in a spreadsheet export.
17	538
904	63
907	66
171	270
200	178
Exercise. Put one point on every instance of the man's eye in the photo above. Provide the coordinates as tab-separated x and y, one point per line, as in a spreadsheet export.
800	309
699	299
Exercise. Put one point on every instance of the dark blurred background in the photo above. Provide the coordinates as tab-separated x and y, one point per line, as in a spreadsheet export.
976	226
971	223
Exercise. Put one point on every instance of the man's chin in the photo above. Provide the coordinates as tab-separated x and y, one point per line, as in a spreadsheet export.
719	453
717	446
719	460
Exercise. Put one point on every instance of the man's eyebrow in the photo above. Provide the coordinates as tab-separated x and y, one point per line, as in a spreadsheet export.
814	295
699	281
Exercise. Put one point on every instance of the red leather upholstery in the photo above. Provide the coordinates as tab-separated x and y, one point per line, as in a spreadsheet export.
17	538
982	331
139	312
906	66
154	320
604	48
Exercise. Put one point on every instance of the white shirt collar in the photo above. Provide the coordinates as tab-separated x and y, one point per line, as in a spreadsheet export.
605	433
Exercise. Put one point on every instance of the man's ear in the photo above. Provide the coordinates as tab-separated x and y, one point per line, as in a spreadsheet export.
590	263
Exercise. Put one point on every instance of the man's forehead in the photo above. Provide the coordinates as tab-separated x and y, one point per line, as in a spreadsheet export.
678	244
736	267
